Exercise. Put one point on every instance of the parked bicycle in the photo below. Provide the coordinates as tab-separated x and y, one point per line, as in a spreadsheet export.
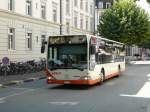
20	68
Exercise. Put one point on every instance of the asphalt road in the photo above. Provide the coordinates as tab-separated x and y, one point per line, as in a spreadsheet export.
128	93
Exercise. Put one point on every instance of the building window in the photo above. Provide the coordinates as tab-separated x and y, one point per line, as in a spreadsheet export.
11	38
37	39
86	6
43	11
28	7
54	12
81	4
11	5
108	5
87	23
67	7
81	21
100	5
54	15
76	19
43	39
67	27
36	5
29	41
76	3
91	9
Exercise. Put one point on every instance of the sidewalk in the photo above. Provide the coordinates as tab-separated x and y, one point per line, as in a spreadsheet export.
19	79
146	62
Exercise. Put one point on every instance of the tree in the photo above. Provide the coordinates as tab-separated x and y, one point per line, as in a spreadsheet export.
125	22
148	1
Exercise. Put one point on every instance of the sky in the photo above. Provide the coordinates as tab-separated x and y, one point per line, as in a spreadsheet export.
144	5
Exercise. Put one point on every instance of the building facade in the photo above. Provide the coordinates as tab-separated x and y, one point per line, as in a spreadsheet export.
77	16
100	6
25	24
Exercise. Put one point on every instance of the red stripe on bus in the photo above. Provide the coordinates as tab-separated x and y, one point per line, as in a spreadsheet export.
76	82
112	75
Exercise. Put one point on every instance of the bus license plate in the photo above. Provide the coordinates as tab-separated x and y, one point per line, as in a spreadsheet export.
66	82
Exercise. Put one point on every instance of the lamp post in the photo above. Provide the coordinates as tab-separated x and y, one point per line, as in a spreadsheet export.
60	17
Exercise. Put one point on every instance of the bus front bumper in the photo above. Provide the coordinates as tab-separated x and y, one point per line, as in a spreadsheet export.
74	82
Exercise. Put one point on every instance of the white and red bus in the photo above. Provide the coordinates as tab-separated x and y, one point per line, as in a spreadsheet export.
83	59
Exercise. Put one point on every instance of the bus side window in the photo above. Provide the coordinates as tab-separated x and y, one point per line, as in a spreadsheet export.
99	58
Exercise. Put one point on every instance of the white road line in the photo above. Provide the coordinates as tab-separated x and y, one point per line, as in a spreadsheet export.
148	75
16	94
144	92
128	95
64	103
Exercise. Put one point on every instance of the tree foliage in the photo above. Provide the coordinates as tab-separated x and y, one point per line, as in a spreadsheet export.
148	1
125	22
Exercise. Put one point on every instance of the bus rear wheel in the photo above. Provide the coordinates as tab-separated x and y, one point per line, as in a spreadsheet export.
102	76
119	71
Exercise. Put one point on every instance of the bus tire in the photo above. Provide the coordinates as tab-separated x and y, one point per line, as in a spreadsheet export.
119	71
102	76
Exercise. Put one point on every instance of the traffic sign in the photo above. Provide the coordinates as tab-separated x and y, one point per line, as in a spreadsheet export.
5	61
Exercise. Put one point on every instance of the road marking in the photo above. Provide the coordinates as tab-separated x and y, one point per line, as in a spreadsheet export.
15	94
148	75
64	103
144	92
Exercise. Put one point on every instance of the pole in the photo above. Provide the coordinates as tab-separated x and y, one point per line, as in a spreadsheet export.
94	16
60	17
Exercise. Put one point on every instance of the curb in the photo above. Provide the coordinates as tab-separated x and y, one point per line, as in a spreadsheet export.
30	79
18	82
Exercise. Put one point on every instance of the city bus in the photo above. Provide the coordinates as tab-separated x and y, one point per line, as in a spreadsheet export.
82	59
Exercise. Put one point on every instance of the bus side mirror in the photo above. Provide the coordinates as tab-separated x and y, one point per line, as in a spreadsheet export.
43	47
92	49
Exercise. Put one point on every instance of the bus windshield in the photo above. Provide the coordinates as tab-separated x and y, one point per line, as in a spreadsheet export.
67	56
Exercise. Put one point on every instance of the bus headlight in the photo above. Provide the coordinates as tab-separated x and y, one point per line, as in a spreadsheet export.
85	77
49	78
